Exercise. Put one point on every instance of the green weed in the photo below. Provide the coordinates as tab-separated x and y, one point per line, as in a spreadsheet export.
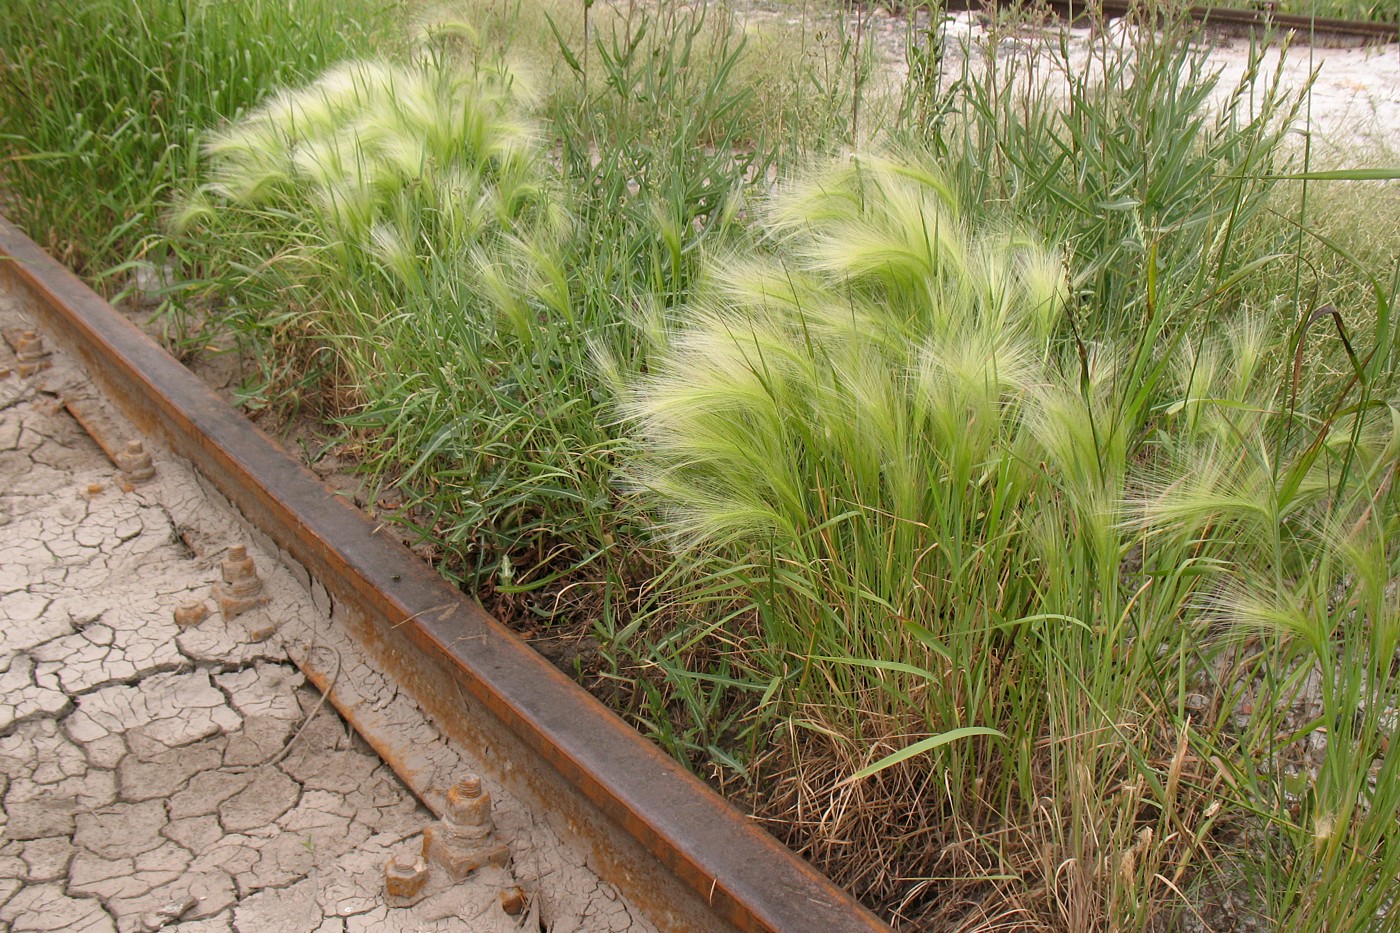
102	103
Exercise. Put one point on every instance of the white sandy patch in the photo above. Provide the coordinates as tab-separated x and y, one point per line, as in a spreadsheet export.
1353	110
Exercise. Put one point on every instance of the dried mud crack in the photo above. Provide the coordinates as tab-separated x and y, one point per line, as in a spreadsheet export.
159	776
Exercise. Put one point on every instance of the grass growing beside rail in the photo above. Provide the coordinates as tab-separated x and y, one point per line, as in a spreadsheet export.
1151	721
104	101
1011	503
458	331
1056	601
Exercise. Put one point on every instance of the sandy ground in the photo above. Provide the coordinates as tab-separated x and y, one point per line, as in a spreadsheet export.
141	763
1353	114
1352	111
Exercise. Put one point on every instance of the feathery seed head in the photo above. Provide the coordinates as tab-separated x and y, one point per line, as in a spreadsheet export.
403	163
878	351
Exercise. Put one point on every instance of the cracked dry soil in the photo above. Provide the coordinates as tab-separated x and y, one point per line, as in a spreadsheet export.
140	771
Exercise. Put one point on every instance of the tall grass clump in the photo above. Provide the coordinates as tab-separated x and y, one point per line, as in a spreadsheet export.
971	567
377	183
841	437
102	103
621	64
403	217
1125	148
406	216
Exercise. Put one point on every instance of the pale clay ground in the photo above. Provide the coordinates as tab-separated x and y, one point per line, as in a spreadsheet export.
129	748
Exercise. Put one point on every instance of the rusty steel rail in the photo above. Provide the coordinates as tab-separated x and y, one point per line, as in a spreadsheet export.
1263	19
683	856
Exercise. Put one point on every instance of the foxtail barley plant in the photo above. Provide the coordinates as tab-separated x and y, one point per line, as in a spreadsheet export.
972	591
378	171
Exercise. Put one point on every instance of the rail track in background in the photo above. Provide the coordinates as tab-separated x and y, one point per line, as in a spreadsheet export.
683	857
1316	29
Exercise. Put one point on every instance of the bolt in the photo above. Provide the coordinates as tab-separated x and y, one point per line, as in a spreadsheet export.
240	589
468	811
29	346
30	352
135	462
240	573
191	614
405	874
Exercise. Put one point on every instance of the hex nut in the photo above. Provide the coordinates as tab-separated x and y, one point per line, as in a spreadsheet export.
240	589
239	571
191	614
30	353
468	811
405	874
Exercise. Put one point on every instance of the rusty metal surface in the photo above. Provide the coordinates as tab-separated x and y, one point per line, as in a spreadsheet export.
1322	27
98	426
681	854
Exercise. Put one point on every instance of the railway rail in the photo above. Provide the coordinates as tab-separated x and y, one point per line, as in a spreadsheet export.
1317	29
679	853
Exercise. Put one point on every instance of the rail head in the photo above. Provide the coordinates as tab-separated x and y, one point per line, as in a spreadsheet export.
1260	19
680	853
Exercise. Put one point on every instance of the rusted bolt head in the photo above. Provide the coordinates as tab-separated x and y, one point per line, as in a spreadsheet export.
238	565
191	614
241	589
135	462
469	808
